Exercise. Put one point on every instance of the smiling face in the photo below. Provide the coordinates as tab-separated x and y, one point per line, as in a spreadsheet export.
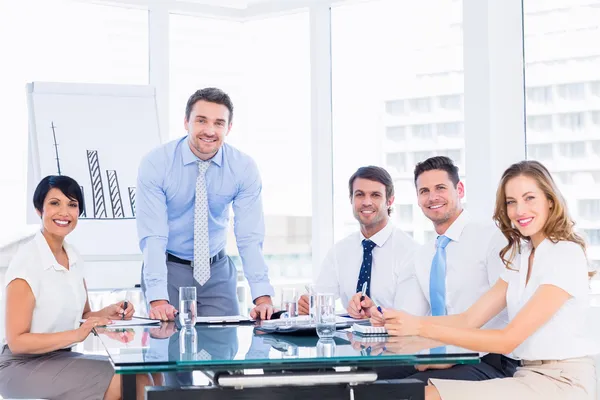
370	205
59	213
527	207
439	198
207	127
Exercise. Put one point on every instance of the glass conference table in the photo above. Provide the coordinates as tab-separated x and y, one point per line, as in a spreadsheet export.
238	357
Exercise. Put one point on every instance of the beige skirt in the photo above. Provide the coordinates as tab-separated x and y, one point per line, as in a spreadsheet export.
573	379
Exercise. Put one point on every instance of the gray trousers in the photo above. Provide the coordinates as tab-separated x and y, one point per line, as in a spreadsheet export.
217	297
61	375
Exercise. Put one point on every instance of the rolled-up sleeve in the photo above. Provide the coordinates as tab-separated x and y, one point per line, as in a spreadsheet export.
249	229
152	226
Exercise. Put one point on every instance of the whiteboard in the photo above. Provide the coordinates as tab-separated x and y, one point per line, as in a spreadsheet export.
97	135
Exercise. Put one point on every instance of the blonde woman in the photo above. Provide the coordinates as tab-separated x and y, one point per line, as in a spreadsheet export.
544	288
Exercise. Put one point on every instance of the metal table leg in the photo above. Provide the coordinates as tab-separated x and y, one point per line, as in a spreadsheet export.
128	387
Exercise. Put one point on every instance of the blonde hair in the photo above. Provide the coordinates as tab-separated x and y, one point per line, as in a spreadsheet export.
559	225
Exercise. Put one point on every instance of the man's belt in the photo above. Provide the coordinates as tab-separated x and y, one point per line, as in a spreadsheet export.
213	259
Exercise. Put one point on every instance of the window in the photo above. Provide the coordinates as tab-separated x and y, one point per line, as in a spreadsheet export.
596	147
452	102
396	133
565	178
264	65
422	156
423	132
421	105
417	82
595	88
397	161
592	236
589	209
540	123
450	129
539	151
572	121
58	41
539	95
395	107
405	213
572	150
571	91
454	155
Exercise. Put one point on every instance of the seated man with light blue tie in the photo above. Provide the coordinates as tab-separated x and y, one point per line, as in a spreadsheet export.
185	188
455	269
376	262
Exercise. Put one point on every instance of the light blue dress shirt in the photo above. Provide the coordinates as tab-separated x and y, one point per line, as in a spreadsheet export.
165	212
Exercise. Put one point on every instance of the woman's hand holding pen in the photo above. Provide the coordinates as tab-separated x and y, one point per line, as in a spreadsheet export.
92	322
399	323
121	310
377	318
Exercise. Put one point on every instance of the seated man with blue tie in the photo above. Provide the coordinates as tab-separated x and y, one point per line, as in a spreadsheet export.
184	192
454	269
375	262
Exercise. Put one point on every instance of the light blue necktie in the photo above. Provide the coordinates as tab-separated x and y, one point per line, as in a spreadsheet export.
437	277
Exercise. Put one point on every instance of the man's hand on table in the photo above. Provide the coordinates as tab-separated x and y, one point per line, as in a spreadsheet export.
161	309
263	308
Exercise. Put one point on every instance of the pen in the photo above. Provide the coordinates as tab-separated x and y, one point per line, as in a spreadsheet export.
363	291
124	309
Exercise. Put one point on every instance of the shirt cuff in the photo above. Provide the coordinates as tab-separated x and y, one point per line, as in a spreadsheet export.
259	289
156	293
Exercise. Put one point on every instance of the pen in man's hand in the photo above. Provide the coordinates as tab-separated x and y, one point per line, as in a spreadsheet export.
124	309
363	291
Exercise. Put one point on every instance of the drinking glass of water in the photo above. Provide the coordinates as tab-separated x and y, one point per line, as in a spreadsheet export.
326	348
288	302
188	343
325	314
187	306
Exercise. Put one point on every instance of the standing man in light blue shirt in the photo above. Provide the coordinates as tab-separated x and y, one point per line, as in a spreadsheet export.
184	191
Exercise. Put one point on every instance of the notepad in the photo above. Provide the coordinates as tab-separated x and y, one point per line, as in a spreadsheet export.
369	330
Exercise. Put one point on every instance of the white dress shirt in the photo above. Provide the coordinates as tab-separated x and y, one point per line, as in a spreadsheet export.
473	265
393	284
564	265
59	293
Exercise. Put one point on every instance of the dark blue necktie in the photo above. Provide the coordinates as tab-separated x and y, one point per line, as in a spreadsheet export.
365	268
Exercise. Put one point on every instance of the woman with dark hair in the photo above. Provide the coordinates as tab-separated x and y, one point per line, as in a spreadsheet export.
545	290
46	297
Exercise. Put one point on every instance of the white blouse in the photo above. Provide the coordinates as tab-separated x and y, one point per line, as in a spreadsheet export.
59	293
563	265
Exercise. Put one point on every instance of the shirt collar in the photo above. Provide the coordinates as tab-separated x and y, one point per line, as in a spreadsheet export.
48	259
458	226
189	157
382	236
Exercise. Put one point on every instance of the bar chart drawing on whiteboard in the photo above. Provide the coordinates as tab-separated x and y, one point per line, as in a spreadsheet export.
98	187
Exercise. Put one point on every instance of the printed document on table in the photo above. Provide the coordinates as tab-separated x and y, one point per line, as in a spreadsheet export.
130	322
